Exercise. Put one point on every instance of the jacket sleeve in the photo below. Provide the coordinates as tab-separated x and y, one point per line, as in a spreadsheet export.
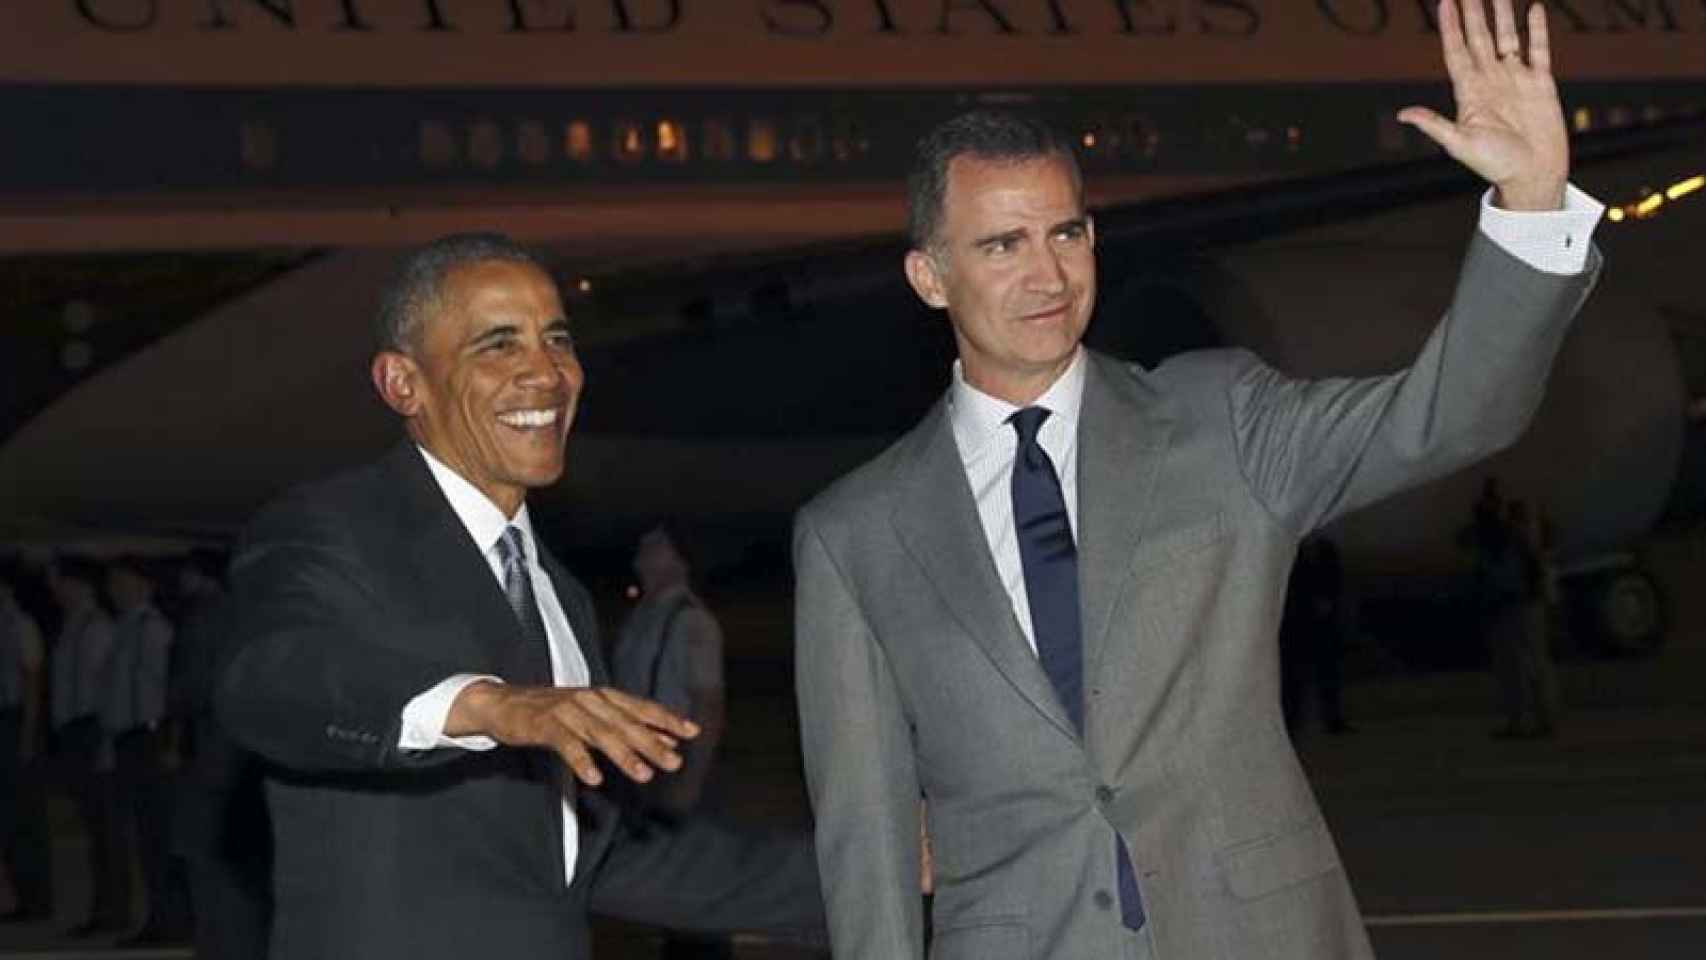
859	764
1312	450
318	666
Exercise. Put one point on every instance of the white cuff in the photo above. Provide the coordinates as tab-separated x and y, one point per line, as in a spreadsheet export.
1551	241
424	716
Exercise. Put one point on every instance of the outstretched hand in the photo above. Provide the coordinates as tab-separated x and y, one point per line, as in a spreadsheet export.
1510	123
636	734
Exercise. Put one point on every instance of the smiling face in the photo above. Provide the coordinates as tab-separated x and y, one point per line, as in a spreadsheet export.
490	385
1014	265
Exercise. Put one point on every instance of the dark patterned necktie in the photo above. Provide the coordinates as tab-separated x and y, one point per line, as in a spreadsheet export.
1049	558
518	585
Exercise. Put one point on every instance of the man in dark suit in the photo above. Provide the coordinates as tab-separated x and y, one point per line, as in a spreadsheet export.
424	675
1050	608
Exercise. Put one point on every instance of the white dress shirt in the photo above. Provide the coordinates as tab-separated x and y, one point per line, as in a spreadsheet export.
79	667
135	694
20	656
1551	242
424	716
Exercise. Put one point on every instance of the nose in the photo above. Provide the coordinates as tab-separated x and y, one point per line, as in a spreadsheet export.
1047	274
541	367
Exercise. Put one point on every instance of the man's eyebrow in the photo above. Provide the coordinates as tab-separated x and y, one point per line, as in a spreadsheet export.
492	334
1007	236
1076	223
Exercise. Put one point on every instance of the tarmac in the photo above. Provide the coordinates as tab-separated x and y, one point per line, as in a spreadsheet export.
1458	844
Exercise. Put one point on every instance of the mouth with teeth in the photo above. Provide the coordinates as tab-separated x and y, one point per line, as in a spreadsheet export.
541	419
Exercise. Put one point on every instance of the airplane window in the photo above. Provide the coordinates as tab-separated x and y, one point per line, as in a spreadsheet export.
532	143
577	141
672	142
437	145
628	144
1142	136
485	144
717	141
849	142
806	144
259	145
761	145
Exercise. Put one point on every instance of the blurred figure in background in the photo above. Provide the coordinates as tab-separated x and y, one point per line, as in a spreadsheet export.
1522	656
78	668
23	829
134	714
1312	637
670	649
220	830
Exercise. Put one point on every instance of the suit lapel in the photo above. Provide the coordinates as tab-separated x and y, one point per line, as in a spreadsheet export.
446	562
1122	439
937	521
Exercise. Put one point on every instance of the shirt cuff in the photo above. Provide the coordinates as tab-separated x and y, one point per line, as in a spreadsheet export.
1551	241
424	716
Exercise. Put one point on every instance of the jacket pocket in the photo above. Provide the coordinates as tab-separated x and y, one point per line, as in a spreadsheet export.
994	938
1258	868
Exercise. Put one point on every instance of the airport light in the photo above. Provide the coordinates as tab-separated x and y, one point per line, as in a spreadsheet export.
1679	190
1650	206
1615	214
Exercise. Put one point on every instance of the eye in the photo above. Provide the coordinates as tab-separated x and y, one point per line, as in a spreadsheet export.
1071	233
1000	245
561	339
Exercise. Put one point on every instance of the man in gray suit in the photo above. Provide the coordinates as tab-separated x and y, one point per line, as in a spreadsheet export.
1050	609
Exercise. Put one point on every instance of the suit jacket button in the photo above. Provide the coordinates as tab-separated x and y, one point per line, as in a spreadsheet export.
1104	797
1103	899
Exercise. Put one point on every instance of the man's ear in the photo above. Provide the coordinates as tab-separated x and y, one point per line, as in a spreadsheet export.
926	280
397	379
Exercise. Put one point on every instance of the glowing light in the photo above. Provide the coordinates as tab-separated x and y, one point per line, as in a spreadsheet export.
1583	119
629	144
1649	206
577	140
1615	214
672	141
763	144
584	286
1686	187
1089	141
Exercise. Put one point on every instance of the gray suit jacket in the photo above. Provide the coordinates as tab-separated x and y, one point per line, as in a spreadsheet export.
1196	481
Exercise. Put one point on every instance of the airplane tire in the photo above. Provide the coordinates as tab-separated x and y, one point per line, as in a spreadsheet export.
1629	610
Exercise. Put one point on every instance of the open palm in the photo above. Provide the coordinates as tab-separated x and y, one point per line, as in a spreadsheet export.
1510	123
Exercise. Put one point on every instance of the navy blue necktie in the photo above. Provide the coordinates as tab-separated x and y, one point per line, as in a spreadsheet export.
1050	561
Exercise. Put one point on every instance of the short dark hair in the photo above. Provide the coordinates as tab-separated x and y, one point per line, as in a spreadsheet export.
1000	135
417	285
146	568
83	569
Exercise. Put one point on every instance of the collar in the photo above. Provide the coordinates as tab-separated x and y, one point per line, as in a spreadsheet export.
978	418
479	515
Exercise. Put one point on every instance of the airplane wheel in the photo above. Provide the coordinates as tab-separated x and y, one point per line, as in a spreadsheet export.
1631	612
